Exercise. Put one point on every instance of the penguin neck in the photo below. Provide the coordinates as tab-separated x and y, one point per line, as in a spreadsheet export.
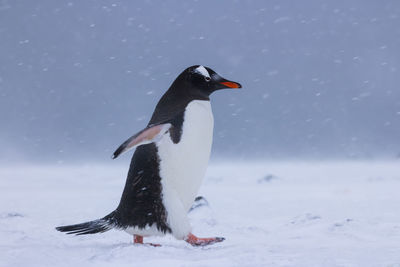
175	101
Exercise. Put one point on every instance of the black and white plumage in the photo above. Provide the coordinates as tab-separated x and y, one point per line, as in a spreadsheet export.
169	162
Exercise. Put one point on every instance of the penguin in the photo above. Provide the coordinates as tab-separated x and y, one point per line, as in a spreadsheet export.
168	165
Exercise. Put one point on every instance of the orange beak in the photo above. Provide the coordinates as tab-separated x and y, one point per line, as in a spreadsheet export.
231	84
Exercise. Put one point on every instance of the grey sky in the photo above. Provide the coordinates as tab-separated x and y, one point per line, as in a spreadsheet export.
320	78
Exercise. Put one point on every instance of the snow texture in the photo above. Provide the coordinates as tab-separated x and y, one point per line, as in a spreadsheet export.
271	214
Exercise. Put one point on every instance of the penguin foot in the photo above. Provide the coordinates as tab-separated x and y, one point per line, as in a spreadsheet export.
197	241
138	239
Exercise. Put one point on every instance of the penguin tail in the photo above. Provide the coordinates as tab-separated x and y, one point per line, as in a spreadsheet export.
93	227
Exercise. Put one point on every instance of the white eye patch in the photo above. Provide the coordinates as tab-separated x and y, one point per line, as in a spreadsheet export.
203	71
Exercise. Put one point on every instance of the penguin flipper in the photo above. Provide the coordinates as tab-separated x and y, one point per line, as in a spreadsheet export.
150	134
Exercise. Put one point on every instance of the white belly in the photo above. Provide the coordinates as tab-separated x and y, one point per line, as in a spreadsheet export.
183	165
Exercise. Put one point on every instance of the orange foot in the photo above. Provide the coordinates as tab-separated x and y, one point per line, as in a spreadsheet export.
196	241
138	239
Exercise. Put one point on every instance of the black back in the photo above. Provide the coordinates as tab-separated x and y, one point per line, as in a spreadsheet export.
141	202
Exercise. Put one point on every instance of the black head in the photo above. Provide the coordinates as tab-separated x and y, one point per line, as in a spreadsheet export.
194	83
203	81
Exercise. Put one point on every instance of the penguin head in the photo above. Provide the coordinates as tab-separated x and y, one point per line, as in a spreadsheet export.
205	81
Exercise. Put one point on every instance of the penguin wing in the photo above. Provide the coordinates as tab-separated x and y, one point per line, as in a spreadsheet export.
150	134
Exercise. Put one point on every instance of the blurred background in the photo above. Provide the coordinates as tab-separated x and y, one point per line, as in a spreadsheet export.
320	78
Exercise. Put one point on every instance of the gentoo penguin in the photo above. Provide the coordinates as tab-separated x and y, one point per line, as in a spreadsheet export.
168	165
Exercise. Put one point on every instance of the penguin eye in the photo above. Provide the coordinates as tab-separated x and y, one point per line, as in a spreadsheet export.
207	79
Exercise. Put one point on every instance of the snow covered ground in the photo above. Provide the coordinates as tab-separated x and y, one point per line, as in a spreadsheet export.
271	214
